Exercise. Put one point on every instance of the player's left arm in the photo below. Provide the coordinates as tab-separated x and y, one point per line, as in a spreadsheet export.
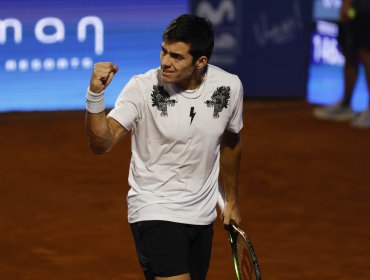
231	149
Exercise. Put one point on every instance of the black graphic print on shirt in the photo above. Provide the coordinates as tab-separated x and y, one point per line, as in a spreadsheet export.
161	99
219	100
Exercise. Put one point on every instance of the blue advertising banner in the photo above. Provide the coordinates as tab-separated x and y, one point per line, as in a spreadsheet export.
48	48
227	20
265	42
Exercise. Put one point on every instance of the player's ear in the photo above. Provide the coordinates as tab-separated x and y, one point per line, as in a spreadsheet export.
201	62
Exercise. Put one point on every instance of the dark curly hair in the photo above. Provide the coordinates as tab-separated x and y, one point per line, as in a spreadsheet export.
193	30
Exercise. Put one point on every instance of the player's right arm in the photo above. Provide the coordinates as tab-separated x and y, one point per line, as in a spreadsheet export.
103	132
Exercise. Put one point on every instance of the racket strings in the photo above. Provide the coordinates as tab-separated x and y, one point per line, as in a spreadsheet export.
244	259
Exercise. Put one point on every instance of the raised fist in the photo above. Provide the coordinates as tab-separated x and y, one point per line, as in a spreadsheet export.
102	76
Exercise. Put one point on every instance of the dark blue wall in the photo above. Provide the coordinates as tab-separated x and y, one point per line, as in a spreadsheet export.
265	42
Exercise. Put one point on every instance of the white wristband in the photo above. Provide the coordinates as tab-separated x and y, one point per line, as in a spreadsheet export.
95	101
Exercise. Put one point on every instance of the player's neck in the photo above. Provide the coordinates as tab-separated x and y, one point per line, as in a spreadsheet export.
194	81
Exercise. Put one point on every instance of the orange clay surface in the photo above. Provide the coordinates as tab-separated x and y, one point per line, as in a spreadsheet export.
304	197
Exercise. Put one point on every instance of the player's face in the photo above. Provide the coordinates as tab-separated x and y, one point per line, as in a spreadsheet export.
177	64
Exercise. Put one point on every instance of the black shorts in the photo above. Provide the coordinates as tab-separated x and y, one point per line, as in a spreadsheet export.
168	249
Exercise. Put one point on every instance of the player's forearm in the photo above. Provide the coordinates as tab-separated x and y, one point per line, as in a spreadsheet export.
230	167
100	136
100	133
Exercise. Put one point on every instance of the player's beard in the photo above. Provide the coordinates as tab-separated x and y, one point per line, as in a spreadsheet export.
168	76
179	78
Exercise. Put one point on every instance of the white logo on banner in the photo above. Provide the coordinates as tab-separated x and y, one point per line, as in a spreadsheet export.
227	22
57	36
217	15
266	31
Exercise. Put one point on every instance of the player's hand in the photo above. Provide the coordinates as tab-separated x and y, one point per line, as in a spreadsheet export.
231	213
102	76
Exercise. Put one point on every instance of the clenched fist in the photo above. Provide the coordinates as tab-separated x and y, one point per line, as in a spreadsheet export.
102	76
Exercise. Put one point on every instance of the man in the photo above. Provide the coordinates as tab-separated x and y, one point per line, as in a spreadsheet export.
185	118
354	39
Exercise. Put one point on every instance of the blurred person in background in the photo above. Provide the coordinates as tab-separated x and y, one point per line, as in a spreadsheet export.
354	40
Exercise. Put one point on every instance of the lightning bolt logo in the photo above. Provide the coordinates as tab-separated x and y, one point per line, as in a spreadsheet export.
192	114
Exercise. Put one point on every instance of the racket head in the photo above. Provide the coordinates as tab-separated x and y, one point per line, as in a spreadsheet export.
244	256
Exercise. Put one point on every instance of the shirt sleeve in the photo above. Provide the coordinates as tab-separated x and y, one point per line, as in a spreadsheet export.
127	107
236	120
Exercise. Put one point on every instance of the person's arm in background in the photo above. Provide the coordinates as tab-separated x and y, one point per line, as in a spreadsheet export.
230	170
102	132
345	10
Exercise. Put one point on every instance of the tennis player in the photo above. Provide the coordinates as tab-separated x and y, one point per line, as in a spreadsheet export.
184	117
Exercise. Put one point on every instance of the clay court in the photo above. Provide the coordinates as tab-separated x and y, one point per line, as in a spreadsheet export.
304	193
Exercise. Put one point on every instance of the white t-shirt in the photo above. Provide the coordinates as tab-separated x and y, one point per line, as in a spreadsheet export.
175	141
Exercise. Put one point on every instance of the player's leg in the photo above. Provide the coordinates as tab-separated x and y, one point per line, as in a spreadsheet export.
200	252
137	230
163	249
177	277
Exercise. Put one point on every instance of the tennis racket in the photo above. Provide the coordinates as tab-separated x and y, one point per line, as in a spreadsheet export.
244	256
